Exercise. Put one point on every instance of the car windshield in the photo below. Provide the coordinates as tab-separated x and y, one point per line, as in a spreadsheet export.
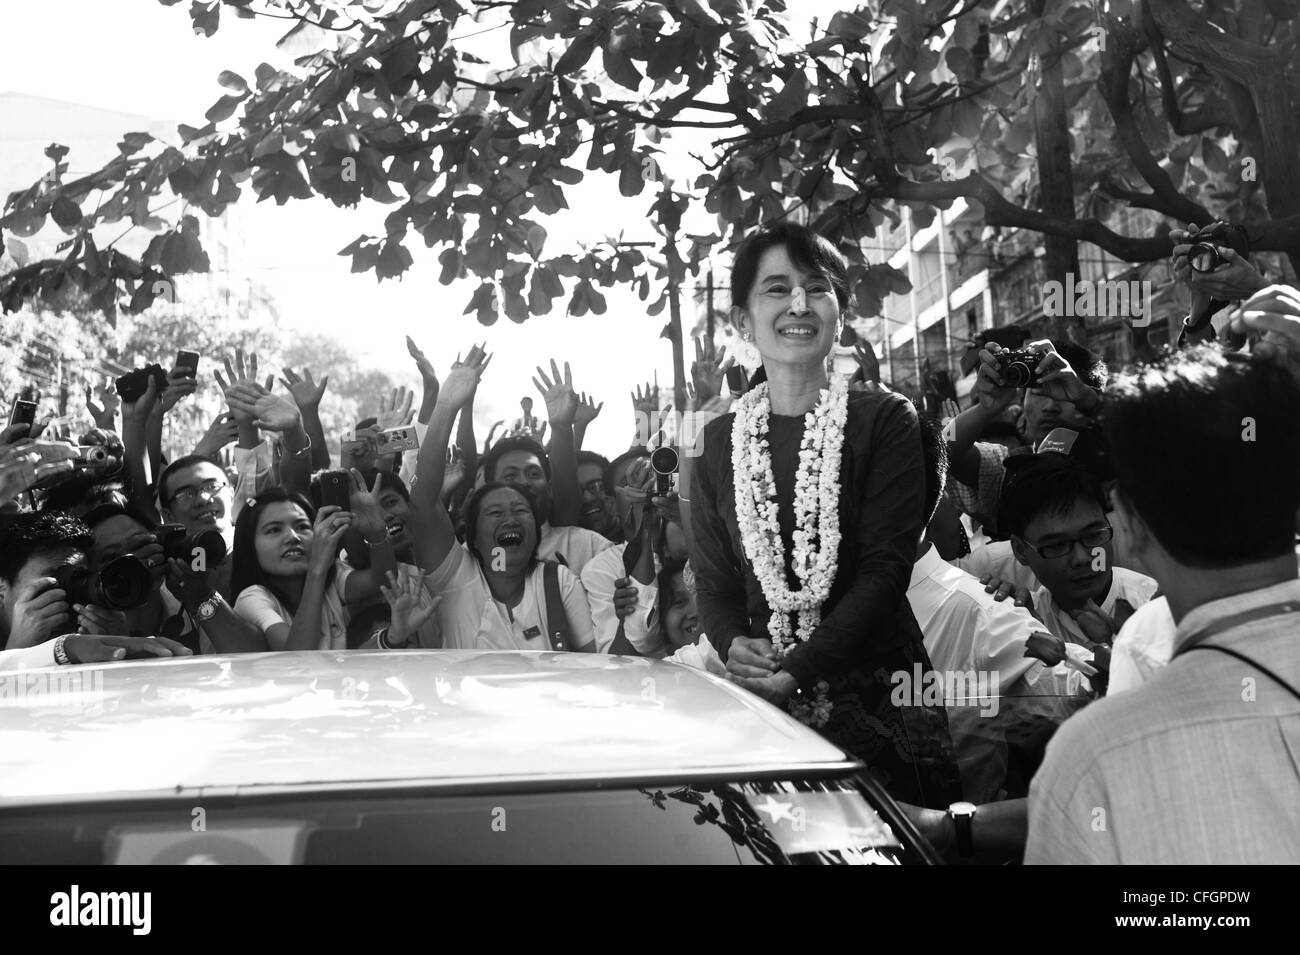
798	821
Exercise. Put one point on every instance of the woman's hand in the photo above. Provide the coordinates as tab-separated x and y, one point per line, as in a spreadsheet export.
365	507
331	523
462	381
408	616
776	689
587	411
558	394
221	432
751	657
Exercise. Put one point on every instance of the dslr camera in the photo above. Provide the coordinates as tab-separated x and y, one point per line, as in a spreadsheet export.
1019	366
179	544
123	583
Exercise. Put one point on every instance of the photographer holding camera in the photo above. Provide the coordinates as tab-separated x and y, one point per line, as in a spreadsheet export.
44	554
1213	261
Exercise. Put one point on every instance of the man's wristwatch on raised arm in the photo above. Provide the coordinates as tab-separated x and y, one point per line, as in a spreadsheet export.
962	815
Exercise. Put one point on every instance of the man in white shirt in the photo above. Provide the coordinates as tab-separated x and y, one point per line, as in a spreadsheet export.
979	641
1055	512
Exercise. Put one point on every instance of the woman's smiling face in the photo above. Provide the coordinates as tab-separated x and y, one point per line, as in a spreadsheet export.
506	530
792	315
283	539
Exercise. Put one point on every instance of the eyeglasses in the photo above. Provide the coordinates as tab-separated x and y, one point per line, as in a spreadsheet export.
1060	548
596	487
210	489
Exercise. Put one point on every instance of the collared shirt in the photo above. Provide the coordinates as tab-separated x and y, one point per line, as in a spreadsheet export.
997	559
1143	645
472	619
1197	766
256	468
968	632
598	580
1128	585
576	545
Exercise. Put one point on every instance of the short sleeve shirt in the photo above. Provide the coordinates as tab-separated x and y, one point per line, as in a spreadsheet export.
263	609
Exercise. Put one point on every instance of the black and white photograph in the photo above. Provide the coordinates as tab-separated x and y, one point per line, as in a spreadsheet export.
505	433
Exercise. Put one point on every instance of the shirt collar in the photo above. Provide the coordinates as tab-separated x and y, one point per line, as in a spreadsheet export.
1198	618
927	565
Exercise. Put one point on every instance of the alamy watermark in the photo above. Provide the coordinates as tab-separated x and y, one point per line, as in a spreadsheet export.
971	688
74	686
1105	299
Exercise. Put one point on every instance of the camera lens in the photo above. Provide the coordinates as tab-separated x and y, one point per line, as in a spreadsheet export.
212	545
123	584
1017	374
1203	257
664	460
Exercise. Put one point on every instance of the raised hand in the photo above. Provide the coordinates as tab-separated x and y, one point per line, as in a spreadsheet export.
241	373
407	614
1274	315
104	413
427	374
364	503
395	409
561	400
305	391
331	524
360	450
221	432
454	475
646	405
587	411
140	409
708	373
265	410
462	381
179	385
1057	379
991	390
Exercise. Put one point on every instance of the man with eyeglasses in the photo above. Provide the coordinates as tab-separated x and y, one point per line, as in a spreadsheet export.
1055	511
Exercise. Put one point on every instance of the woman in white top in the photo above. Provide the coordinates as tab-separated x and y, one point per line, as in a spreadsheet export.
493	586
287	575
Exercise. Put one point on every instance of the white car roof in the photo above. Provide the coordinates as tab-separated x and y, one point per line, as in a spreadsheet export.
265	722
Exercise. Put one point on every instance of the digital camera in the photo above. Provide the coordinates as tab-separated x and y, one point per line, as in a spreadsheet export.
665	462
177	543
1019	367
1204	255
123	583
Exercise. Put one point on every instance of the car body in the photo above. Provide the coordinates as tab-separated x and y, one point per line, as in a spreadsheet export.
424	756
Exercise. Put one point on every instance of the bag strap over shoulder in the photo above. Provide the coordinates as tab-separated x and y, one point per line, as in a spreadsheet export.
559	634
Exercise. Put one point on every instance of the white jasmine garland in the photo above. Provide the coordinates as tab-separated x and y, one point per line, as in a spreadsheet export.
817	521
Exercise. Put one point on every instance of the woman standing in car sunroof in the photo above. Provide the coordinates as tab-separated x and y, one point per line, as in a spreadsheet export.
806	507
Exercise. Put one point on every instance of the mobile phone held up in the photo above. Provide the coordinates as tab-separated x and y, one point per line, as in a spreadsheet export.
134	383
336	489
188	362
23	412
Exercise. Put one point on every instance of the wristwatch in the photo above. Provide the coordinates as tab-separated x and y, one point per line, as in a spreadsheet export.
208	608
962	813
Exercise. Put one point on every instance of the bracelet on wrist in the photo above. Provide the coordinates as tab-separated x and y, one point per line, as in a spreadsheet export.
60	651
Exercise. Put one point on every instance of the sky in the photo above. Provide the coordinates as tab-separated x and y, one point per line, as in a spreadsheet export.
140	57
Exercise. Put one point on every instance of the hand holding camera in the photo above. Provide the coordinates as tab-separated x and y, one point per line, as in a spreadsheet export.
993	392
1273	314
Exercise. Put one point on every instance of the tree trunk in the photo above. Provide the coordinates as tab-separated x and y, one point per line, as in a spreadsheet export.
1055	173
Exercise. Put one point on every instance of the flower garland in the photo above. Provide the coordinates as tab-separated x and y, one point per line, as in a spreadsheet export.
817	522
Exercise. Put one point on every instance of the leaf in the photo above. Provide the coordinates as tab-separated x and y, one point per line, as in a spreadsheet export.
393	260
65	213
223	108
578	53
206	16
622	71
17	250
959	60
303	39
56	152
400	61
133	143
232	81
